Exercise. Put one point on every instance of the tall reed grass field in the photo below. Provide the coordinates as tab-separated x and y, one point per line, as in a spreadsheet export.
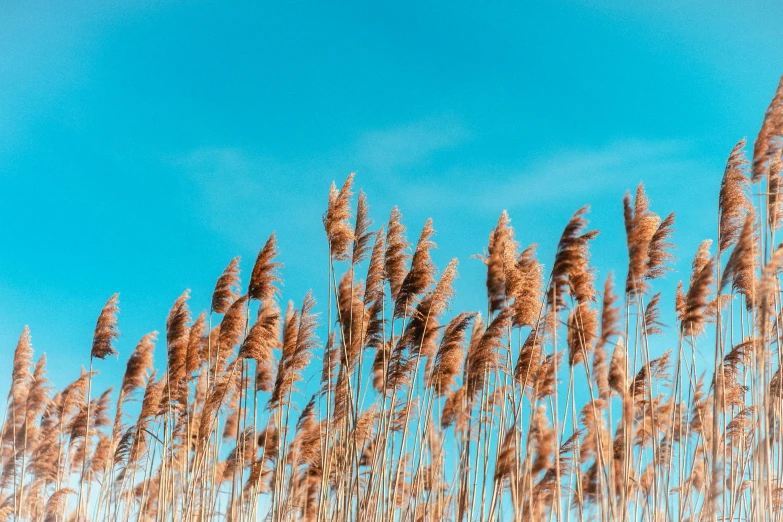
555	399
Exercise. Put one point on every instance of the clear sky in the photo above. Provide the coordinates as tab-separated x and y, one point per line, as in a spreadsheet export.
145	144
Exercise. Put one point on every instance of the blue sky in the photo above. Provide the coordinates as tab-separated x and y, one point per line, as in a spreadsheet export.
144	144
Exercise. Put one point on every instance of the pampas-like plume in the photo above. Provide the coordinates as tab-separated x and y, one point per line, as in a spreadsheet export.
380	366
139	365
106	329
100	457
337	221
97	413
697	298
232	325
618	374
226	288
774	201
507	455
655	369
56	504
659	249
733	201
451	354
422	329
742	265
196	338
214	402
453	407
396	255
177	337
153	395
640	226
652	316
543	438
771	127
21	373
100	417
353	320
421	274
38	396
529	361
570	271
679	301
582	331
501	246
610	315
524	283
296	356
547	375
484	356
373	286
306	439
362	233
265	276
330	360
259	343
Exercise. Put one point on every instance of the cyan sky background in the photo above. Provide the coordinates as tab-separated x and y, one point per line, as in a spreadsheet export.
144	144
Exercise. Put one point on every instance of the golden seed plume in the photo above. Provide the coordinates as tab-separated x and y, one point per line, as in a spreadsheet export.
21	373
775	184
232	326
362	233
582	332
484	356
396	255
177	337
524	283
659	253
618	373
742	265
297	355
652	316
106	330
420	276
733	201
330	362
771	129
195	348
450	355
226	288
56	504
373	287
640	226
501	246
697	298
337	221
571	272
259	343
610	314
531	354
139	364
265	277
422	329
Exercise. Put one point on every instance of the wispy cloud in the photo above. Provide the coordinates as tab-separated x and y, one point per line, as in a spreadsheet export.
571	174
563	176
237	192
238	188
404	145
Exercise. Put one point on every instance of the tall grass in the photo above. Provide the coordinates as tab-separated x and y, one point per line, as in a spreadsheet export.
544	403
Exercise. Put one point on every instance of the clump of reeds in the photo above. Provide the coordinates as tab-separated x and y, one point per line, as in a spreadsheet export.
554	399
